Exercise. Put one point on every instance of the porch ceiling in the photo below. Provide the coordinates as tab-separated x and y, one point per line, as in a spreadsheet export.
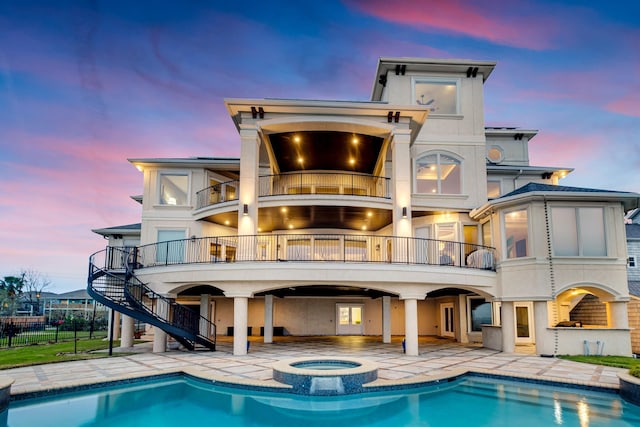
326	150
326	291
309	217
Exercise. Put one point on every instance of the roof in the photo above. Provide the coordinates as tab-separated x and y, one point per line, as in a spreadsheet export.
535	187
534	190
128	229
79	294
633	231
222	163
634	288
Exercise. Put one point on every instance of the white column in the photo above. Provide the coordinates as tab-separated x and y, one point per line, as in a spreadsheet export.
204	312
249	158
268	319
411	326
115	326
127	331
240	313
541	324
508	327
618	317
386	319
401	182
159	340
462	319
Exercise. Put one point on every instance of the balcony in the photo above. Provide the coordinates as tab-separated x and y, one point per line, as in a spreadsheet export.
301	183
325	248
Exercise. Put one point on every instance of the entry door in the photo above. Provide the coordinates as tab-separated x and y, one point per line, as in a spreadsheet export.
524	323
349	319
447	328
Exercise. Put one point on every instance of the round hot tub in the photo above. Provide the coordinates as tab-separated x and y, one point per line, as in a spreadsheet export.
325	376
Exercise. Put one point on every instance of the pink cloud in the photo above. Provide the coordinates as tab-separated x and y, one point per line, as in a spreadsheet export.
468	18
628	105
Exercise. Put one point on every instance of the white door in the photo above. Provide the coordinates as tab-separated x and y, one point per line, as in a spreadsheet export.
447	328
349	319
524	322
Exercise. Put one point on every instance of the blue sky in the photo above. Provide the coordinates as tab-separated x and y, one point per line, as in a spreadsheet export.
84	85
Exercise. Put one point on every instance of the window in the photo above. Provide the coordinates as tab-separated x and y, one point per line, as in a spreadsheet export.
493	189
479	313
516	231
632	261
578	231
440	96
495	154
486	234
170	246
174	189
438	174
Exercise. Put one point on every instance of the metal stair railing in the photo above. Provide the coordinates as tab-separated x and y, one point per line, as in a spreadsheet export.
114	285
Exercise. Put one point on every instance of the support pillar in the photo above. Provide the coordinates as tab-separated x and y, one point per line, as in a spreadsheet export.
401	182
508	327
411	326
204	312
268	319
240	314
386	319
128	329
462	319
159	340
544	340
618	317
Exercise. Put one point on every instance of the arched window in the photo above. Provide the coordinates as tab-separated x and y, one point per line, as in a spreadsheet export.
438	174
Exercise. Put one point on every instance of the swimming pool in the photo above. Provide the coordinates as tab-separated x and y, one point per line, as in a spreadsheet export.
470	401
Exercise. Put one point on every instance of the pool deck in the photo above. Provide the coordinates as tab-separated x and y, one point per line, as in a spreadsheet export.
437	358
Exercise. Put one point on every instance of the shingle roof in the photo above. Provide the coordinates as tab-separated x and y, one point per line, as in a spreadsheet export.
137	226
633	231
634	288
534	186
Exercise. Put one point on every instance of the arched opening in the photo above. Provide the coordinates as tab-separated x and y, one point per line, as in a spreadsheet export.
584	306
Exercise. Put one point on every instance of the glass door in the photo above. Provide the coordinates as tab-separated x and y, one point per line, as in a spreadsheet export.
349	319
447	328
524	322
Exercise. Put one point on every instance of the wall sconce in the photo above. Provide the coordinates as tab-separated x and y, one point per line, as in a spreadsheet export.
404	212
245	209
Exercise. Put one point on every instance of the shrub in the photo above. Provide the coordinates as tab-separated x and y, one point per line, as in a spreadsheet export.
635	371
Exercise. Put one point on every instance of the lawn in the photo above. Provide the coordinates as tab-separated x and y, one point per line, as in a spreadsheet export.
615	361
51	353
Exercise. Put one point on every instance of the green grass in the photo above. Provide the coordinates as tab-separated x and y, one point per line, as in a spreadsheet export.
615	361
51	353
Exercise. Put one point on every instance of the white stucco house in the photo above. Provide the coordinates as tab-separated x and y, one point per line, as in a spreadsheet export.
403	215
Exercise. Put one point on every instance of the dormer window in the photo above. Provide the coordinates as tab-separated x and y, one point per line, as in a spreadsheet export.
440	95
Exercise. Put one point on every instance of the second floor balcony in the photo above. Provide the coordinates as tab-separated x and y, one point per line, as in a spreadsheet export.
302	183
327	248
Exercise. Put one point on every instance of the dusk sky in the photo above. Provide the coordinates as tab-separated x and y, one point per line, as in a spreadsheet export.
84	85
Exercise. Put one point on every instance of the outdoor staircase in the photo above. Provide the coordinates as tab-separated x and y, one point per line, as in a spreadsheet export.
114	284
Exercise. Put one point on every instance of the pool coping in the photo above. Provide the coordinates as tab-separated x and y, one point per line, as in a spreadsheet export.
378	385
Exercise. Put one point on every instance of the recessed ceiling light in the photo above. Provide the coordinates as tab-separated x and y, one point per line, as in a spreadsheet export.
283	210
352	161
296	138
290	225
354	140
227	222
369	214
259	230
364	227
300	160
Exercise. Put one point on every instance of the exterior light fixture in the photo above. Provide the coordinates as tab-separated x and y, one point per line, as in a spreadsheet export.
245	209
404	212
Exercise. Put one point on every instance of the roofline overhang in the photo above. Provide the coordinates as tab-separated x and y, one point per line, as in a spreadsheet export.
626	199
499	168
508	131
110	231
318	108
453	66
220	163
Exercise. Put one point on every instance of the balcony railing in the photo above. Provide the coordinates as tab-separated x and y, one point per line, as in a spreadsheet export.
324	183
329	248
223	192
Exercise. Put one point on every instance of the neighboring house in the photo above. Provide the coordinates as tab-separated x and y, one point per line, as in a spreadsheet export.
633	273
54	306
403	215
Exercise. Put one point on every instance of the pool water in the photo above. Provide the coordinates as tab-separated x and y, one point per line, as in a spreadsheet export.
471	401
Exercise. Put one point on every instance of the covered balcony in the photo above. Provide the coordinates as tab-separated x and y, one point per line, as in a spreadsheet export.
321	248
299	183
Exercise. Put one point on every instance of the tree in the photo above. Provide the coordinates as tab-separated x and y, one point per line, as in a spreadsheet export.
34	283
10	291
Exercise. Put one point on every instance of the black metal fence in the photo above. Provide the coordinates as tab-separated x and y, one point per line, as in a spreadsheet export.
14	333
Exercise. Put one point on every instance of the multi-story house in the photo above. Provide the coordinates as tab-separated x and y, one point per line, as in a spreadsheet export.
403	215
633	273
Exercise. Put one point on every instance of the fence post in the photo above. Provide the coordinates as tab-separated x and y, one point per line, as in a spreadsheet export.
75	336
57	327
10	333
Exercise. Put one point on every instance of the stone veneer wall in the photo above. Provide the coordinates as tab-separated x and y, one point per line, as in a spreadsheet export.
634	323
590	311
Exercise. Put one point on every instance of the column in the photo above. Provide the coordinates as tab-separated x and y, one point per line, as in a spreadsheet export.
462	319
128	326
116	325
508	327
411	326
618	317
204	312
544	345
159	340
401	181
268	319
386	319
240	313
